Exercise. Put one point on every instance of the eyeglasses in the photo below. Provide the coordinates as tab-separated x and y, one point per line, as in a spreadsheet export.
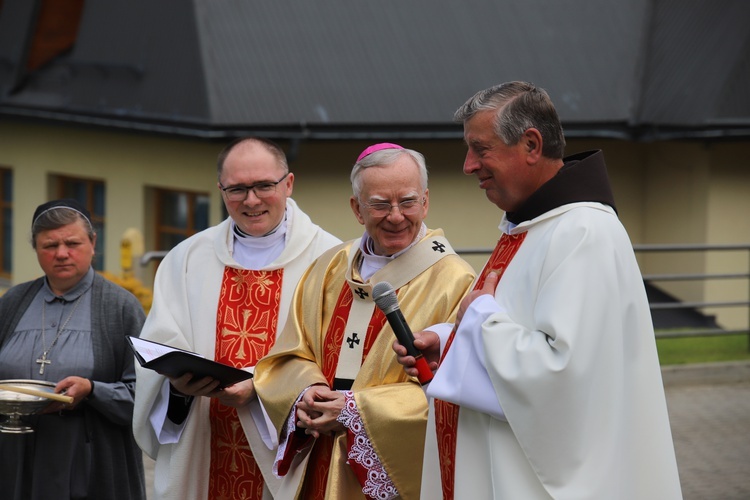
406	207
261	190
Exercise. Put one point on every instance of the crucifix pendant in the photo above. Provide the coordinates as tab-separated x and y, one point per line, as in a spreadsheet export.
43	361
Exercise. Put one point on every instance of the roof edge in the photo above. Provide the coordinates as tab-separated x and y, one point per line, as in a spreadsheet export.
194	129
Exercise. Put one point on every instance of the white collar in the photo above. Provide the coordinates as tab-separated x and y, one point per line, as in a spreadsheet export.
372	263
256	252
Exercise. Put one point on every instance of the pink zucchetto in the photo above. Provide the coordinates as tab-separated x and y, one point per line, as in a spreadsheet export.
377	147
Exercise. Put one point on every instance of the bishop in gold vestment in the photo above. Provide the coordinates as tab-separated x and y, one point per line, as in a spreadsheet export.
336	338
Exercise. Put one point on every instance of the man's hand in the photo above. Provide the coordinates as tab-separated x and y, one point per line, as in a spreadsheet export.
187	386
318	409
426	341
488	288
236	395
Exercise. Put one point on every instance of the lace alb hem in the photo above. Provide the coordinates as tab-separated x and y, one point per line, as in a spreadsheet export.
377	484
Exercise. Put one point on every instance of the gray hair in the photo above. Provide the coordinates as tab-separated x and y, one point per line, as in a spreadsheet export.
386	157
520	106
58	217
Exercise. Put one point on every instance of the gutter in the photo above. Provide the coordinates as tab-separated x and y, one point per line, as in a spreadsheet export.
303	131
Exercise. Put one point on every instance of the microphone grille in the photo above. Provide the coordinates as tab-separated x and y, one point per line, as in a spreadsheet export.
384	296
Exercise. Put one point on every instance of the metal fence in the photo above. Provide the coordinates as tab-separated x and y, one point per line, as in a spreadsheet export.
740	274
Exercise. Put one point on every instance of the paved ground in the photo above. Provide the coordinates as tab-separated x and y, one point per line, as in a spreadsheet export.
709	409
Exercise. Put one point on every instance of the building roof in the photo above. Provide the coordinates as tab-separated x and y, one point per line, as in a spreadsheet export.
640	69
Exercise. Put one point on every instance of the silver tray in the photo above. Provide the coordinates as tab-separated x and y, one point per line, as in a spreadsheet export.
14	405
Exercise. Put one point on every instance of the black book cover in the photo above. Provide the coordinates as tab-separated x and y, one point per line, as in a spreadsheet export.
176	362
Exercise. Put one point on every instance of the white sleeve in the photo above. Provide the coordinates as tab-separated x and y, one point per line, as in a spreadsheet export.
462	376
167	432
443	331
263	423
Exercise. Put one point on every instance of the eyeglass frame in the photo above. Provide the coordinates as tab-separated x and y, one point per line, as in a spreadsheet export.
271	185
418	202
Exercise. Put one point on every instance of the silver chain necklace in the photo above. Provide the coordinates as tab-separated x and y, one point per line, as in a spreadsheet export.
43	360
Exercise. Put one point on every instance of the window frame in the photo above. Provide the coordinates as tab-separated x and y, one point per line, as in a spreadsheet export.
64	189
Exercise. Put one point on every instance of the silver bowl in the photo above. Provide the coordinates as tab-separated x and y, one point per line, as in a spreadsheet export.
14	405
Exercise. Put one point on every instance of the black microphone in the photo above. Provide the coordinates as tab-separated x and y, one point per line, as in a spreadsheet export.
385	298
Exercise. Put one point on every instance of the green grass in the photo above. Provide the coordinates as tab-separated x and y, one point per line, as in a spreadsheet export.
678	351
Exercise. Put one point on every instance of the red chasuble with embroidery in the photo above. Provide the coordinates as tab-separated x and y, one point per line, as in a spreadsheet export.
246	320
446	414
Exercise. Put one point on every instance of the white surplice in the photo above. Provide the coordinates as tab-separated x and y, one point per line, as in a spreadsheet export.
568	347
183	315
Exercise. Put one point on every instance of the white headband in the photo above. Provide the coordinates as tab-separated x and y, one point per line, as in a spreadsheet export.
65	207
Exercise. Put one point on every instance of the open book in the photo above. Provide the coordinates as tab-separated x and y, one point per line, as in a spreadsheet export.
174	362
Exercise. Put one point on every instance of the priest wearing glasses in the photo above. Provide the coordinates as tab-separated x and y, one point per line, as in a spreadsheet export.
224	293
68	328
350	421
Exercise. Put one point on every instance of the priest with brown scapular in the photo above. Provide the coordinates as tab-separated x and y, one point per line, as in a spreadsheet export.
550	385
350	421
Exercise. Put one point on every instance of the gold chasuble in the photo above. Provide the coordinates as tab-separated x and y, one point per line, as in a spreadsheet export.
317	474
246	318
336	336
446	414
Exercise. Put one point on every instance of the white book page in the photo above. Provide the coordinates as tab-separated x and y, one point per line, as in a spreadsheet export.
152	350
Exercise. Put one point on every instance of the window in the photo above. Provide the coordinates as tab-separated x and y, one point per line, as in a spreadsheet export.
91	194
179	215
6	222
